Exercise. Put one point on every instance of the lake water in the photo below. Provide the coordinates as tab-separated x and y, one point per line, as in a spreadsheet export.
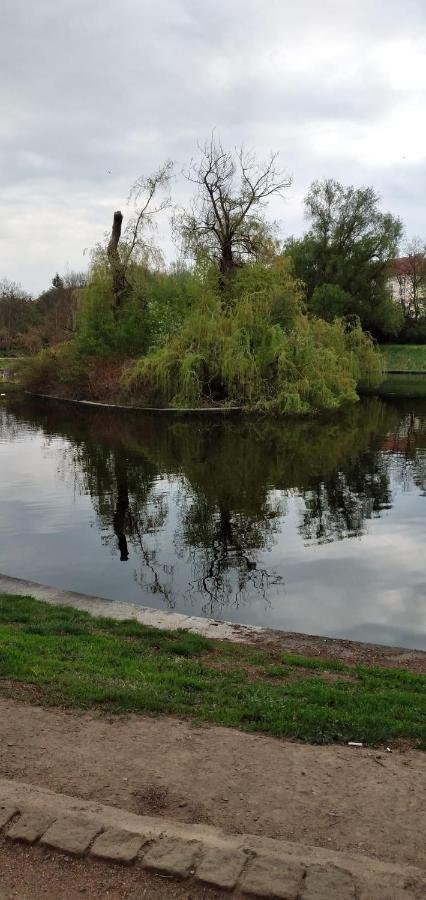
309	526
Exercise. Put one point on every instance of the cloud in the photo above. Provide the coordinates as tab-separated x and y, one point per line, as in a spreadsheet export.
93	89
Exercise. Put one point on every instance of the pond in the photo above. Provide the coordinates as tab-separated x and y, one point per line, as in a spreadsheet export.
315	526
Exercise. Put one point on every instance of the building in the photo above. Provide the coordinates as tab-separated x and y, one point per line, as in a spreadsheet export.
407	284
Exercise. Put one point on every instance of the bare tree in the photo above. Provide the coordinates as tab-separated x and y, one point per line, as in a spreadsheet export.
124	247
226	219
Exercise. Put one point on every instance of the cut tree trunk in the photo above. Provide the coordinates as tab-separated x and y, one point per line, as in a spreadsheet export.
118	272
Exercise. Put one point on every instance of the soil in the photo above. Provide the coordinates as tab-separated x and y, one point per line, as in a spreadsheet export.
352	653
32	874
338	797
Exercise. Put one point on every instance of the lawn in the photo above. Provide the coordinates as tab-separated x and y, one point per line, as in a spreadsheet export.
7	363
405	357
61	656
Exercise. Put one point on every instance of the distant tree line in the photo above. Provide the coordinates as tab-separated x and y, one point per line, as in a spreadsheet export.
27	324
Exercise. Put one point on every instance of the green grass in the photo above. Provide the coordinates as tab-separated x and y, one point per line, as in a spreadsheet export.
405	357
61	656
8	362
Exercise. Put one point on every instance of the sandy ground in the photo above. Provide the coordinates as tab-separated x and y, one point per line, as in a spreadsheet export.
33	874
336	797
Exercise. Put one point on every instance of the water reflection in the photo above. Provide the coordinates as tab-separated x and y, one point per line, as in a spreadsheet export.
219	492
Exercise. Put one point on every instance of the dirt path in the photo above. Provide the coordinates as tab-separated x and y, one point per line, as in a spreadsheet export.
336	797
33	874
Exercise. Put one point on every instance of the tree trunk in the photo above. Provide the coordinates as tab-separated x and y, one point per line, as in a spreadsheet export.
118	273
122	510
226	266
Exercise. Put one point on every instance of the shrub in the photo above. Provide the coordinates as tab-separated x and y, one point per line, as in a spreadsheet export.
59	369
241	356
102	329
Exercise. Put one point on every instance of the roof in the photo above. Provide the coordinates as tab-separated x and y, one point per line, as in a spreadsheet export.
407	265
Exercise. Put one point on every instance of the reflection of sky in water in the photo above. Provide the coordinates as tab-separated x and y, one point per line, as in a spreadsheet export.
369	587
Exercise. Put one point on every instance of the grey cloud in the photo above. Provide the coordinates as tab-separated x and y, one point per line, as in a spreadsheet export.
88	88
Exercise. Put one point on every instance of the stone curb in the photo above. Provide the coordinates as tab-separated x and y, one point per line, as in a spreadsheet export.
244	864
116	609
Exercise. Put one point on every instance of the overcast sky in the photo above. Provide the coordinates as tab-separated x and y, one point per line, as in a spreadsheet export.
95	92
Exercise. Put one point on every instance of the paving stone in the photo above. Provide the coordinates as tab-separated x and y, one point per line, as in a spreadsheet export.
221	868
172	856
118	845
269	876
71	834
7	812
30	826
328	883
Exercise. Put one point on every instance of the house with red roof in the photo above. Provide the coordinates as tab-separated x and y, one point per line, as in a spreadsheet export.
407	284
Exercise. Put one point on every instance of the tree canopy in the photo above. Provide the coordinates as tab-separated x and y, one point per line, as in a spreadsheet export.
349	244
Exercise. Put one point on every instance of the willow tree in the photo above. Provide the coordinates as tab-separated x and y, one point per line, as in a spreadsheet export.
226	220
125	247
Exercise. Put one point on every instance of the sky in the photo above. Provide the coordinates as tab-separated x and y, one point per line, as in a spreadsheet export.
95	93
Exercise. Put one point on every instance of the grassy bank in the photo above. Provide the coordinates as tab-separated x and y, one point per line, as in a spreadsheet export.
405	357
5	365
61	656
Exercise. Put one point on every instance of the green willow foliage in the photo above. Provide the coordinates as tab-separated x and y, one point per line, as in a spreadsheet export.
177	339
259	353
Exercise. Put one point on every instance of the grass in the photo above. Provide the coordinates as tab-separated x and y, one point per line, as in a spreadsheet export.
405	357
61	656
7	362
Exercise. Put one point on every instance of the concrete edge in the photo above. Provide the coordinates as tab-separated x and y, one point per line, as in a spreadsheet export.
218	629
18	799
116	609
171	410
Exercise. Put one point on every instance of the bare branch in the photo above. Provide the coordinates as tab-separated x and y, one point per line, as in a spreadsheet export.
142	194
226	219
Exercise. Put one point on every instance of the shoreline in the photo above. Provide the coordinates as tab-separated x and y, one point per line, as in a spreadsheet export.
223	410
352	652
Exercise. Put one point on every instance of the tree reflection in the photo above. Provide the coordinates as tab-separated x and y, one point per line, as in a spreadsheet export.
339	507
217	492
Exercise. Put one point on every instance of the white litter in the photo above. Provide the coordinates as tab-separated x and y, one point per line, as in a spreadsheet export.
355	744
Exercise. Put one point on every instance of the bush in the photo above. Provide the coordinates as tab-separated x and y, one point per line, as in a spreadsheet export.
58	369
414	332
241	356
176	339
102	329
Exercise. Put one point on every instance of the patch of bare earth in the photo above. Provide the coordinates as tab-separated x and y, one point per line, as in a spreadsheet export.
34	874
350	652
337	797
